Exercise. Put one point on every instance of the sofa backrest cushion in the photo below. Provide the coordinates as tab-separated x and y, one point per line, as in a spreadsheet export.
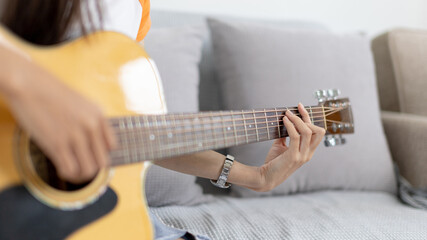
402	56
260	66
177	53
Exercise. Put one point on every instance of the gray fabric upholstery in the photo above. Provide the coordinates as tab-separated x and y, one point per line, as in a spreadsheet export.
261	66
407	50
210	96
407	138
177	53
322	215
386	78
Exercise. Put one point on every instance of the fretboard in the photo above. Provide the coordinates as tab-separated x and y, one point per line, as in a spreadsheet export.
151	137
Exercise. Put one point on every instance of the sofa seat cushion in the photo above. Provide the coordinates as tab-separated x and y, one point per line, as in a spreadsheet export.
320	215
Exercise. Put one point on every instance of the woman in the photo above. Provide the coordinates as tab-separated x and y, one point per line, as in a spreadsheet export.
73	131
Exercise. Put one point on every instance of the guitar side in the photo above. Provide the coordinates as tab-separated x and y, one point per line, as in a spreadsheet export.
117	74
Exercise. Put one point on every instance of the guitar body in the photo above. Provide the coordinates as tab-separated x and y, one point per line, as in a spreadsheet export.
116	73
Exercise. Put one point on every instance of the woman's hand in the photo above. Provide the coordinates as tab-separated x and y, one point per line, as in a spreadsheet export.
283	160
69	129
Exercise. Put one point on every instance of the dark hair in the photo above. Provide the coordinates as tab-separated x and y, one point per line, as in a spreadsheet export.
45	22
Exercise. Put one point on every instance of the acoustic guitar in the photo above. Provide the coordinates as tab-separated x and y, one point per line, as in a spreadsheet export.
116	73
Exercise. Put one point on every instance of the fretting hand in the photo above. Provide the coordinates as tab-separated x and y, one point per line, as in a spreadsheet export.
283	160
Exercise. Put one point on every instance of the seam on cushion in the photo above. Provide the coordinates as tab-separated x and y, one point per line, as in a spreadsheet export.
397	69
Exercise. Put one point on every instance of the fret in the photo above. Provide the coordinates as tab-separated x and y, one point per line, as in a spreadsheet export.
124	141
156	135
177	141
266	123
184	128
168	135
204	134
223	128
244	123
250	123
278	123
149	135
234	127
256	126
131	135
140	136
196	141
311	115
213	129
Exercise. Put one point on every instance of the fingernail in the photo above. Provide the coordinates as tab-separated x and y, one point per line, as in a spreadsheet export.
286	118
289	112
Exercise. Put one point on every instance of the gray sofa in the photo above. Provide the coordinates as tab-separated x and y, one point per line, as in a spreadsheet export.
321	212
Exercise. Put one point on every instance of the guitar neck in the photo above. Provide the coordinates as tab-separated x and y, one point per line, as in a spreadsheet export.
151	137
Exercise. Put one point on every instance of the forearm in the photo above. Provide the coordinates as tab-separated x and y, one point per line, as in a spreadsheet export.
209	165
10	63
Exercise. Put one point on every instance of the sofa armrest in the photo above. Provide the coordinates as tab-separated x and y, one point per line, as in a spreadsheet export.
407	139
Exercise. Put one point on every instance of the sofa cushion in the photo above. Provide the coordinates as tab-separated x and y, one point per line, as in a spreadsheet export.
177	53
404	81
261	66
321	215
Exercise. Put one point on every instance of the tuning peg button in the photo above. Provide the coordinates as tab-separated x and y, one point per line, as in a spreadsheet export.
330	141
321	95
333	93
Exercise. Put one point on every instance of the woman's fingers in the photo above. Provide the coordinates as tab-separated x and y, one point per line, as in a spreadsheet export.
68	167
303	131
304	114
318	134
85	157
100	147
294	143
108	134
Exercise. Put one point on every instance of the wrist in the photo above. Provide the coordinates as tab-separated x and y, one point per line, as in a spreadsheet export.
13	72
246	176
11	87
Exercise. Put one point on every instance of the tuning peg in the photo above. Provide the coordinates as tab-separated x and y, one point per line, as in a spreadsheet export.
321	95
333	93
329	94
332	141
342	140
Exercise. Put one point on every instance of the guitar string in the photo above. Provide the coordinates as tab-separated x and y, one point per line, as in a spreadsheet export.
234	132
226	113
125	123
214	139
166	131
161	133
118	156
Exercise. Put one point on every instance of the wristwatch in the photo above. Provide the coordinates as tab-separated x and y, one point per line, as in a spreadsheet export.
222	179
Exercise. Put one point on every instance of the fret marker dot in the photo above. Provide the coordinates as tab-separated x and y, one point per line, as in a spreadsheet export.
228	128
271	123
250	126
152	137
200	144
170	135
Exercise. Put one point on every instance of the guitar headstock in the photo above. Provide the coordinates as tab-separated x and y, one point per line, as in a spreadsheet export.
338	116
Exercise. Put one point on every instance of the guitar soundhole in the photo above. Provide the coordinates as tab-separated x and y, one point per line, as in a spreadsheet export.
47	171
